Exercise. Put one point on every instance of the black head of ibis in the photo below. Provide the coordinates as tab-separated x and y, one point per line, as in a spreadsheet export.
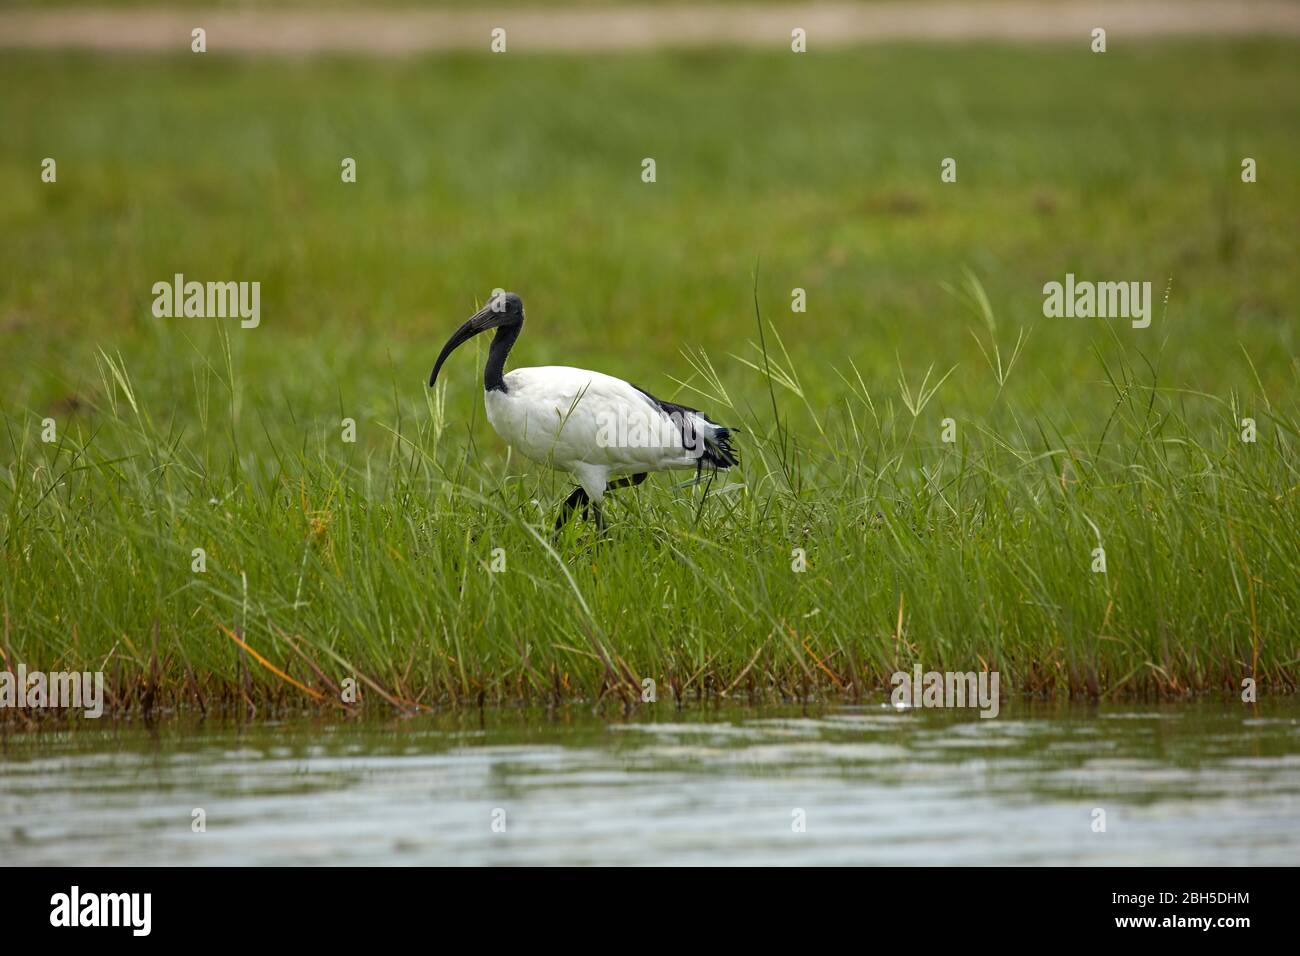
503	312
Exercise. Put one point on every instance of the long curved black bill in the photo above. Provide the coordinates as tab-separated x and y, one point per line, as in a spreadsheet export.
480	321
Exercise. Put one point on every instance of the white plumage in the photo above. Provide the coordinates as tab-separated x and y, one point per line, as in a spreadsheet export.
592	425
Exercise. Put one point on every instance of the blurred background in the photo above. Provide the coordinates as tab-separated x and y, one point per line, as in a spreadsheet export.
523	170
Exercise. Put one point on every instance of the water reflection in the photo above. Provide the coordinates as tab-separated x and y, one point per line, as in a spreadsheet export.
1200	783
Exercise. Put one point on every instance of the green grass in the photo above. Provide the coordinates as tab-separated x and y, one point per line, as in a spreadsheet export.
371	558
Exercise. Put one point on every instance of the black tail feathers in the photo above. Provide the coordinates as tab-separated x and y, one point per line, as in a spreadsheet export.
718	450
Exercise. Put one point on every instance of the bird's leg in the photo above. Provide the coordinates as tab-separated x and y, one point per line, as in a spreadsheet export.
578	497
630	480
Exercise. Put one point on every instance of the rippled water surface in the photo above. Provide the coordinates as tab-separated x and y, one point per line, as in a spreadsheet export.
1193	783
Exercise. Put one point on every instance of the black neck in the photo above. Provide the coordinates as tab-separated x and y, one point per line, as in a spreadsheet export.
493	372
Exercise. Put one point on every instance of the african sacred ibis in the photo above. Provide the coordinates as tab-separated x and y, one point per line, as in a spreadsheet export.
594	426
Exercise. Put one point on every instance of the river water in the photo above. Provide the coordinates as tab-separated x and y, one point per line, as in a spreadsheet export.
1202	783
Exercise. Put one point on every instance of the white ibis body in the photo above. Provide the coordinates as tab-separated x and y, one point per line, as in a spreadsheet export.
604	431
